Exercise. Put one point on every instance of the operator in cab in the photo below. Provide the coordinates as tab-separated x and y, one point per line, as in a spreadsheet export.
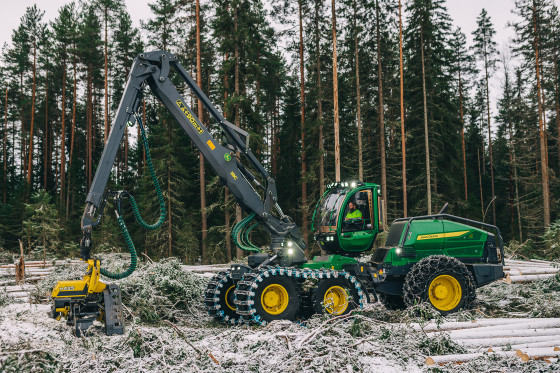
353	212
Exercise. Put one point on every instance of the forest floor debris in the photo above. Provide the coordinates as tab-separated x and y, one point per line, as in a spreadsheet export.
167	329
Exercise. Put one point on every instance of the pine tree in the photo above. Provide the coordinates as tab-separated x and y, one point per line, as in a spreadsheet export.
485	49
41	227
335	97
464	68
429	92
529	31
64	28
88	45
33	29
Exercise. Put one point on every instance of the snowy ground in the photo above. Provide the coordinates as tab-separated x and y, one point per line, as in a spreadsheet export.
167	330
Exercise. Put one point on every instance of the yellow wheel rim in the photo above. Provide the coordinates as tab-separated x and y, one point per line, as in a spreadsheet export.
226	298
445	292
335	301
274	299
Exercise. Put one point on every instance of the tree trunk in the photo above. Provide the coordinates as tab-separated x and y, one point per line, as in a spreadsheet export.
73	131
490	141
557	103
238	212
106	85
403	137
143	121
169	226
63	139
335	98
480	184
542	128
30	160
381	114
303	161
200	157
89	125
462	132
46	144
319	104
426	141
23	168
227	214
5	169
515	180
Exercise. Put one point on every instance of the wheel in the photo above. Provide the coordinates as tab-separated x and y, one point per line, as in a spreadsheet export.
277	298
335	296
220	298
443	281
391	302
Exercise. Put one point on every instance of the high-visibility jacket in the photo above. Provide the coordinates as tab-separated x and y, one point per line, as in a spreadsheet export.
356	214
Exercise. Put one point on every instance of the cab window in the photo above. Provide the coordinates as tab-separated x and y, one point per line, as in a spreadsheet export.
358	212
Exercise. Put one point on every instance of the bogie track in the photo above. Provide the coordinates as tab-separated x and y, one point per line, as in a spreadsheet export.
274	293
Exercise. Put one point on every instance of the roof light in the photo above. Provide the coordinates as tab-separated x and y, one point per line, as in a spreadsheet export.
353	184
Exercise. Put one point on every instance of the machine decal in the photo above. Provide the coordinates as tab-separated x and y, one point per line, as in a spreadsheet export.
211	145
233	175
189	116
227	157
440	235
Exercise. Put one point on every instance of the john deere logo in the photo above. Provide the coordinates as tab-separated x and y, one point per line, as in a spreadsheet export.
227	157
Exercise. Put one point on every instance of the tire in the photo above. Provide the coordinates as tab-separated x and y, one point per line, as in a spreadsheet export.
391	302
441	280
335	296
226	298
277	298
219	300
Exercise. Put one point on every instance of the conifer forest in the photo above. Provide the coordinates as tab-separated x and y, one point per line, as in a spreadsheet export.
383	91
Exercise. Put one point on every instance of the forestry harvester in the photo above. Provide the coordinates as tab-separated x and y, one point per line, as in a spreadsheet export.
438	258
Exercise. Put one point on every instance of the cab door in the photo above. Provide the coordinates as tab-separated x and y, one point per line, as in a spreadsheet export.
358	234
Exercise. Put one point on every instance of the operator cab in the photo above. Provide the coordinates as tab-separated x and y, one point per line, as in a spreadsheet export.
348	217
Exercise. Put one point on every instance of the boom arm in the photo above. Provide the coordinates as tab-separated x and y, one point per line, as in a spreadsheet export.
153	68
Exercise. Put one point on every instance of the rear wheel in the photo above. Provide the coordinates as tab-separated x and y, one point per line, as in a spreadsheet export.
443	281
335	296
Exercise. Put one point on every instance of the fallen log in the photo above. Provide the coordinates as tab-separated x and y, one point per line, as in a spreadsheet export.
498	333
472	343
17	288
525	355
478	323
528	278
553	343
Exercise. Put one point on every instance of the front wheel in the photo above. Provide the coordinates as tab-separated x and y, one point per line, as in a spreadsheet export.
277	298
443	281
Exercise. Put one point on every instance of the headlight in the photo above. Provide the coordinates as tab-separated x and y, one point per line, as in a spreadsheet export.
398	251
353	184
290	243
290	251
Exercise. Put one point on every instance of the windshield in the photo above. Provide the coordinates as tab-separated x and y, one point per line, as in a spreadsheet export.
328	208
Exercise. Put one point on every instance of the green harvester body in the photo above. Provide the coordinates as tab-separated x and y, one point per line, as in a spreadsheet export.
479	246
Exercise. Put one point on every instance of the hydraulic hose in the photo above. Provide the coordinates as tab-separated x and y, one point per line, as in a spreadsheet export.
240	234
137	216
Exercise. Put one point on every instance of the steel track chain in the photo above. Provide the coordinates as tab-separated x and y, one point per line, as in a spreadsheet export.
245	290
212	298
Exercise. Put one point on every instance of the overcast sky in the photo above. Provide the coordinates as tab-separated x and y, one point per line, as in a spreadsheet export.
463	13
